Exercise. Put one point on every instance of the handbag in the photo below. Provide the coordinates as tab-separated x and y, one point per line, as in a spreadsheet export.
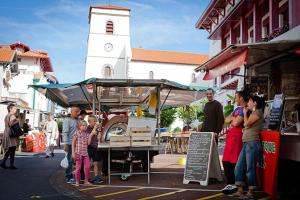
15	130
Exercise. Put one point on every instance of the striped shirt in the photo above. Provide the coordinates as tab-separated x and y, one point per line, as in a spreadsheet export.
81	143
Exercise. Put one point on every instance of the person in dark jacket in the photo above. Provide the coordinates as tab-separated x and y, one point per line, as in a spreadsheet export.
26	126
213	115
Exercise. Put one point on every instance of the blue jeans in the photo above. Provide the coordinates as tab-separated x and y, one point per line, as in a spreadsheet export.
69	170
246	165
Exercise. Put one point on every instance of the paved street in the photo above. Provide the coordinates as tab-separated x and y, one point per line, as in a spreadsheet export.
32	180
167	185
40	178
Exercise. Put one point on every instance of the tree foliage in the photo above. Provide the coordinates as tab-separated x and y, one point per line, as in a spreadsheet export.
167	117
187	114
228	109
199	108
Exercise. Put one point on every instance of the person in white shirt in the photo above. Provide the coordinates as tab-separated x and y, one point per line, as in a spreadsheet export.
52	134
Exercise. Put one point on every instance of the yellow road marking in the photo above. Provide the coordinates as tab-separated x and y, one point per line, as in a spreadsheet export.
161	195
92	188
211	196
115	193
265	198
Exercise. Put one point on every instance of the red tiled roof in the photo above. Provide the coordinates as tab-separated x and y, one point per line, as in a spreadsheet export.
41	54
110	7
6	54
34	54
44	59
20	44
168	57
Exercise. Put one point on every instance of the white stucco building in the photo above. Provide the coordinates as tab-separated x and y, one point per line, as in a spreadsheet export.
33	67
110	55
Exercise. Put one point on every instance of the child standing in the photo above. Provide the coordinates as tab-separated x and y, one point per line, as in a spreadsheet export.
80	152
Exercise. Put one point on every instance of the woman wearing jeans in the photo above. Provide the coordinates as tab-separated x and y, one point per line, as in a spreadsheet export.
246	165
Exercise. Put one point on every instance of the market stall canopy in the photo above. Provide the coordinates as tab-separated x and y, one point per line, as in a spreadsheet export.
119	92
254	54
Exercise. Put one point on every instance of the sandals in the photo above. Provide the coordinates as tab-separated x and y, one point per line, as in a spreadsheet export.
239	195
87	184
242	196
249	195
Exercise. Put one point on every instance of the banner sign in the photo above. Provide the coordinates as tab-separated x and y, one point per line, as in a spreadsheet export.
268	169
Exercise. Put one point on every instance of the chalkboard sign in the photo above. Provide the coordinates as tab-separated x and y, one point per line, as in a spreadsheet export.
200	157
274	120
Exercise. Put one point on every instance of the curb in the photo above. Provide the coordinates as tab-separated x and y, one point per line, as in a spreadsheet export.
58	182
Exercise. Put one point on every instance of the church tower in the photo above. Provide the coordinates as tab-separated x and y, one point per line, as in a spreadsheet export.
109	50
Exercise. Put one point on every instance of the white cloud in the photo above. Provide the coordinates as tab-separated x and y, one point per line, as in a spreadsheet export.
62	30
63	37
156	29
66	7
139	6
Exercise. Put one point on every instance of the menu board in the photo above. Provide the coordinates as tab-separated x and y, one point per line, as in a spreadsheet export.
198	155
274	120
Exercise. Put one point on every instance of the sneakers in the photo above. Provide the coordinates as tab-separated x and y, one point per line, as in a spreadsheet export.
229	189
97	180
52	154
71	181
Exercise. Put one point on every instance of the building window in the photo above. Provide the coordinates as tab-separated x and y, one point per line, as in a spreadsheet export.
284	15
109	27
250	35
235	72
19	59
230	75
227	41
107	72
151	75
194	78
225	77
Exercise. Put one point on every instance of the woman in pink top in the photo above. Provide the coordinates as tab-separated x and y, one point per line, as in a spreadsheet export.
80	152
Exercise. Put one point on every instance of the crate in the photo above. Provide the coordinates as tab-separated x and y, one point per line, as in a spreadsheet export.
141	141
140	136
119	141
140	131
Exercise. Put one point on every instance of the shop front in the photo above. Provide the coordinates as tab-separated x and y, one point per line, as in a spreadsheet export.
271	69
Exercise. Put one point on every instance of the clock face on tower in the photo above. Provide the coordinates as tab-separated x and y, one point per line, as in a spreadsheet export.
108	47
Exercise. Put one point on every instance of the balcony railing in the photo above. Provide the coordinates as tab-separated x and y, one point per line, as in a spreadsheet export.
276	33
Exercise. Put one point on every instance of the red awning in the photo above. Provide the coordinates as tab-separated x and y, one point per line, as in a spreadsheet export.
228	65
254	54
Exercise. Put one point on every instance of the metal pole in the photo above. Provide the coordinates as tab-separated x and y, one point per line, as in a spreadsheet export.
94	99
99	98
158	112
108	159
148	166
33	101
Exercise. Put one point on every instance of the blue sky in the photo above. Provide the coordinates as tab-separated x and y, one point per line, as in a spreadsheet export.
61	28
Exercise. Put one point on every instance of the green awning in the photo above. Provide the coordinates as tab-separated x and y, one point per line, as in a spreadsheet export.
119	92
